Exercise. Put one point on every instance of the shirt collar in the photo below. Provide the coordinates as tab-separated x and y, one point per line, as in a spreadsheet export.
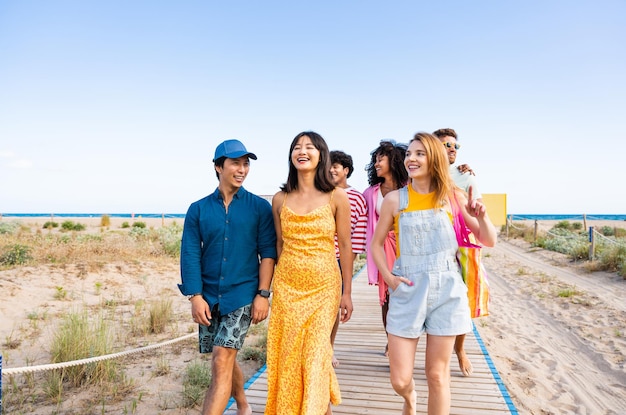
240	193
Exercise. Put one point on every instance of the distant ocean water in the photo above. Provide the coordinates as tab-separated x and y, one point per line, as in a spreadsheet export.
182	215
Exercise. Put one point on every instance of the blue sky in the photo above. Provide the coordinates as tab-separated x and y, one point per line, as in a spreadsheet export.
117	106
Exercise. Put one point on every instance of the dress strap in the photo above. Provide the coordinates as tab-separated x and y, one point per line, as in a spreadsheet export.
404	198
331	196
284	200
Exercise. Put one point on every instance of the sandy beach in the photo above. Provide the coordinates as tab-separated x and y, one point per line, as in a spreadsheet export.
556	353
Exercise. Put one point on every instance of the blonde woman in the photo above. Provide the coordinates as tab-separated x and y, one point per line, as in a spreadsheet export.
426	290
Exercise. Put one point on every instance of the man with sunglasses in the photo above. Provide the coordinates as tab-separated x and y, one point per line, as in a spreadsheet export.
464	178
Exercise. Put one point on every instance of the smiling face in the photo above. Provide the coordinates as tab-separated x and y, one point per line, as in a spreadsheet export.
382	165
305	156
416	160
450	148
339	174
234	171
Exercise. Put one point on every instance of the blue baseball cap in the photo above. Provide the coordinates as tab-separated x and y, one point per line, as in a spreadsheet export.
232	149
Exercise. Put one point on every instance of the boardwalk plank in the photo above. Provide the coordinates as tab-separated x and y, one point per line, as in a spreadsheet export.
363	372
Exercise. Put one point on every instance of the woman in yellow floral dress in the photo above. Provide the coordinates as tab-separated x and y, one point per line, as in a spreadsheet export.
307	285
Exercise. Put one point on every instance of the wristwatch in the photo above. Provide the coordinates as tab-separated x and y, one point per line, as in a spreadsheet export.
264	293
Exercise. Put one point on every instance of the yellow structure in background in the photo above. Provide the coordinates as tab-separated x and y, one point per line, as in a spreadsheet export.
496	207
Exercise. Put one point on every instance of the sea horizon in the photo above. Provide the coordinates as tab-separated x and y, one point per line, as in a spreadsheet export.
514	216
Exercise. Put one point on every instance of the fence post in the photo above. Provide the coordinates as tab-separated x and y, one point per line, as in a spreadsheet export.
0	384
508	223
536	228
584	221
592	243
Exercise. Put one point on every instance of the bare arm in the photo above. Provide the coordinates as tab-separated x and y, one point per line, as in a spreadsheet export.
277	203
261	305
476	218
346	257
385	223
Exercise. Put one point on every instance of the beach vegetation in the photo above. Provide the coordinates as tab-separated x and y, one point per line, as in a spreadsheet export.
160	314
9	227
560	239
196	380
607	231
79	338
105	221
568	292
162	366
15	254
519	231
125	225
613	258
139	224
92	250
70	225
60	293
564	224
10	342
256	348
50	225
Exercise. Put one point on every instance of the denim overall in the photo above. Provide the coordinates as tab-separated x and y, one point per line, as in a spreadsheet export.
437	302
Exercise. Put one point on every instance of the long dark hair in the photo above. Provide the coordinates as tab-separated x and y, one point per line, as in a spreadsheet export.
396	153
323	181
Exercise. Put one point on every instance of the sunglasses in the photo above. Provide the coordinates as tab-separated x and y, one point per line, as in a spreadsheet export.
449	145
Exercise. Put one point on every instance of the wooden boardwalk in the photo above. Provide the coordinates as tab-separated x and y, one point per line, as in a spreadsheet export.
363	371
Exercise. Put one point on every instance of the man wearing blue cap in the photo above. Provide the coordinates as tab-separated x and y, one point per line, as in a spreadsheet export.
227	262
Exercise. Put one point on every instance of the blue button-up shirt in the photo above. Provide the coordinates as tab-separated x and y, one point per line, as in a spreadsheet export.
221	251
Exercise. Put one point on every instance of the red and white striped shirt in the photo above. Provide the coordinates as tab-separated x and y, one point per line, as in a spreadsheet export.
358	219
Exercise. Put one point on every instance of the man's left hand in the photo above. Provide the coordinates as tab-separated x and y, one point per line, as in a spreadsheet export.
260	309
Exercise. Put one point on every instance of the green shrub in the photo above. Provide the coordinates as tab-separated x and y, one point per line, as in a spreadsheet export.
15	255
563	225
607	231
577	226
573	244
69	225
125	225
613	258
9	227
139	224
170	239
139	233
50	224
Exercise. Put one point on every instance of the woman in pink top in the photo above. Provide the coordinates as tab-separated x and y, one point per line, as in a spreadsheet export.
385	172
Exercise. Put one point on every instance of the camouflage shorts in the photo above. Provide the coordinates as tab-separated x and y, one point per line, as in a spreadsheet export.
225	331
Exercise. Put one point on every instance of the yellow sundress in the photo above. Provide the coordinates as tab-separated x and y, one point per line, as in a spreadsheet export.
307	292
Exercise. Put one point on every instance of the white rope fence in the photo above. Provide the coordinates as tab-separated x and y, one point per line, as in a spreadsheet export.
604	238
52	366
